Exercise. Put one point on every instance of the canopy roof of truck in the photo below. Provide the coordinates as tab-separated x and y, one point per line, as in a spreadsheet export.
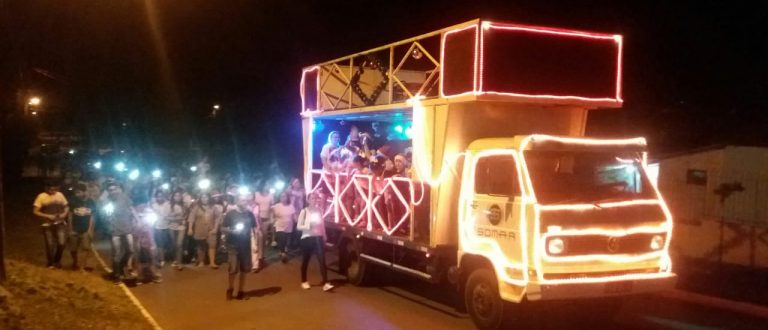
540	141
477	60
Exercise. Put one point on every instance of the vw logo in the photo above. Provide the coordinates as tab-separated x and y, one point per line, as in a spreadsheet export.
613	244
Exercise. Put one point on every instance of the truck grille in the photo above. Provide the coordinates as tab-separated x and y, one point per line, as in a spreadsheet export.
573	276
601	244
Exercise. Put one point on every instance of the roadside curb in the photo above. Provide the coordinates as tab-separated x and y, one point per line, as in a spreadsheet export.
719	303
128	293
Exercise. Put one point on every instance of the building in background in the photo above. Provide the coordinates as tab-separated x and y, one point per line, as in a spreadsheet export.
719	199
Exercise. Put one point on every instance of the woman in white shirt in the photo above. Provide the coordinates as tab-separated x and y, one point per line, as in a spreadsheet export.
313	239
283	213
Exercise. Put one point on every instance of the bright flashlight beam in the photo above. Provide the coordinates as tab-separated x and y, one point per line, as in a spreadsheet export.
279	185
204	184
193	168
243	190
97	165
239	227
134	175
109	208
120	167
157	174
151	218
165	186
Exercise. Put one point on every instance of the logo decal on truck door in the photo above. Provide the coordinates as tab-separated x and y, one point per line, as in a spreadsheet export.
494	215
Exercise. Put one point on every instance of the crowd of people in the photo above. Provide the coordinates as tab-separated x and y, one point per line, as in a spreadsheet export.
151	225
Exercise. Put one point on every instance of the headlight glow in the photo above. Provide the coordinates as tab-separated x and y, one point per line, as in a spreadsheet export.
555	246
657	242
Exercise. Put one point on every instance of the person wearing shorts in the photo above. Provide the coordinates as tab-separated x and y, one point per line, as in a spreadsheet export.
81	227
239	227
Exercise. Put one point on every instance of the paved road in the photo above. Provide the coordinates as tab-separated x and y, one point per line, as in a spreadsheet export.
195	299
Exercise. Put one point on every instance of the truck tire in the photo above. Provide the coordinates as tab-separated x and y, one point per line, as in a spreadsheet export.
358	270
482	299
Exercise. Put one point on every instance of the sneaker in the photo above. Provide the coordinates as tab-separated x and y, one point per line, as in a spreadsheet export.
229	294
305	285
214	266
327	287
174	264
157	279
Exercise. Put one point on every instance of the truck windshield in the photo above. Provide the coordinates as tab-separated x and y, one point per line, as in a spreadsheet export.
594	177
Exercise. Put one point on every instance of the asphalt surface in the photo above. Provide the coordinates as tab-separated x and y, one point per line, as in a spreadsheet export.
194	298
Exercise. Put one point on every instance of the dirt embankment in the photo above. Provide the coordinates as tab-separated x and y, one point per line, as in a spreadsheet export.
35	297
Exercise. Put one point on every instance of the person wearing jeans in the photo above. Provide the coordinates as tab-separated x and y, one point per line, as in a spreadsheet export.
283	213
310	222
52	208
120	215
162	208
178	228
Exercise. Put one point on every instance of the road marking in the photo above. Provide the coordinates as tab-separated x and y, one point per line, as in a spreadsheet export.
720	303
128	293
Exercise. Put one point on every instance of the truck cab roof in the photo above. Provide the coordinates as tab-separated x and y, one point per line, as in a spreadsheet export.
541	141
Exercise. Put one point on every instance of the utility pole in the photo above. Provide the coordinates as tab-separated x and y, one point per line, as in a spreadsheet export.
2	200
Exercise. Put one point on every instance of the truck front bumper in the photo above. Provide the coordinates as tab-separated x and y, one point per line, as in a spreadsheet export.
537	291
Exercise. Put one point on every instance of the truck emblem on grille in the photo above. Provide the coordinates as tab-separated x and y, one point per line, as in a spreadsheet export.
613	244
494	214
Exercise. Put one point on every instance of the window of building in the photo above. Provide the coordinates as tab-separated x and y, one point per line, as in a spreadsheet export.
696	177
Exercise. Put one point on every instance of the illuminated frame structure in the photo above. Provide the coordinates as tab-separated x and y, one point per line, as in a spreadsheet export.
316	79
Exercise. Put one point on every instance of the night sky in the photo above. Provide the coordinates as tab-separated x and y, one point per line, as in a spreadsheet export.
695	71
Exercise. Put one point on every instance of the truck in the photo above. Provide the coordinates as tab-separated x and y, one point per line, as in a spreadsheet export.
495	188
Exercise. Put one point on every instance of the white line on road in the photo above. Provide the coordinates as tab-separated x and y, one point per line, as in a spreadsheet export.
128	293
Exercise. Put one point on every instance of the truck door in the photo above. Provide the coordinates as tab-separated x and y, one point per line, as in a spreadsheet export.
493	222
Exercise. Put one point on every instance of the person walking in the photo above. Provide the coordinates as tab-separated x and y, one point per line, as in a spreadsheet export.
81	226
283	213
178	227
264	200
120	217
313	240
239	227
146	248
162	209
52	208
298	199
203	226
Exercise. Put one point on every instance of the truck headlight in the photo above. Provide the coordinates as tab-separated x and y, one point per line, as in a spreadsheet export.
657	242
555	246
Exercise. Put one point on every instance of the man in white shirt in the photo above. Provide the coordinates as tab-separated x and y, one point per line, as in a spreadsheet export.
264	200
51	208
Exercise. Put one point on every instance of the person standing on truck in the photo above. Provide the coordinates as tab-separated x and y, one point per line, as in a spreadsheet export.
283	213
313	240
52	208
334	140
239	226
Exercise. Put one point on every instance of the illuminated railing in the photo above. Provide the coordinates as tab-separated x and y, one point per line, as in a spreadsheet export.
367	202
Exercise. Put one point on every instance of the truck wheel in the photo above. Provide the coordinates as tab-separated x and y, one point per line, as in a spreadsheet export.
481	296
357	269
